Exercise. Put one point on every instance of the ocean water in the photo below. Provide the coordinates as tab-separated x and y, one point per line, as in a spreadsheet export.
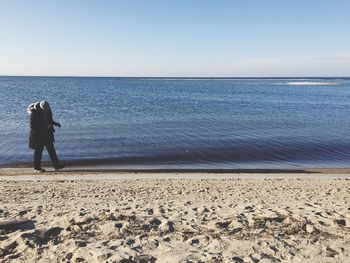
183	123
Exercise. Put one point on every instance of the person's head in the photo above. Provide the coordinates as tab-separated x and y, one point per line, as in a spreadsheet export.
37	107
34	107
45	106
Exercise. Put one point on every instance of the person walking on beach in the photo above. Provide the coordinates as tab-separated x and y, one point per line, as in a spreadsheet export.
42	134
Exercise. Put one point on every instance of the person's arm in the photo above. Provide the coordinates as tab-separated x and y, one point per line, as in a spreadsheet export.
51	121
57	124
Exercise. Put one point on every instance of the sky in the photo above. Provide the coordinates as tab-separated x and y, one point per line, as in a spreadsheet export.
188	38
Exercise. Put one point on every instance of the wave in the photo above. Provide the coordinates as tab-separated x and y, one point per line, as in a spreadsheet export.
311	83
248	154
254	154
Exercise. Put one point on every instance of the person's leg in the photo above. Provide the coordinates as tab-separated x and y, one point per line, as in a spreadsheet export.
38	152
52	153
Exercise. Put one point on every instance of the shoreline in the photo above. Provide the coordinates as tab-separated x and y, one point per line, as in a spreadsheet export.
163	164
86	173
93	170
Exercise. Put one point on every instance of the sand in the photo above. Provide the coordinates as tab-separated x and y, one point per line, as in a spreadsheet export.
138	217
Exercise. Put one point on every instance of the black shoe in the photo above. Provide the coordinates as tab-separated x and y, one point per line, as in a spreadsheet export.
61	166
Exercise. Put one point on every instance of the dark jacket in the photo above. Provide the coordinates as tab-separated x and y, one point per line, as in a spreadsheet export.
51	130
38	134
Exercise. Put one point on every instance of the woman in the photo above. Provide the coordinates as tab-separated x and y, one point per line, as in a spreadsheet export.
41	134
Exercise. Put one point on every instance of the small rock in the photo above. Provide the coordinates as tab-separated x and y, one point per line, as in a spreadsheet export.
309	228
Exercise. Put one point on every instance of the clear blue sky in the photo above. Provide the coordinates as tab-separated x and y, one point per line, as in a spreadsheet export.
175	37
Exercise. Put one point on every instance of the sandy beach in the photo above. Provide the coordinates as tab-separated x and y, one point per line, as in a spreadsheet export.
174	217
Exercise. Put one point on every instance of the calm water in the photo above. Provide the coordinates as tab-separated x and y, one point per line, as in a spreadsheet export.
178	123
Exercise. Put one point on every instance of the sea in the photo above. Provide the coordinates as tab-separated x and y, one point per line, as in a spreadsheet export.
183	123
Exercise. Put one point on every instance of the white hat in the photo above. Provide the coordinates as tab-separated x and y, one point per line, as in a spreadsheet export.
44	105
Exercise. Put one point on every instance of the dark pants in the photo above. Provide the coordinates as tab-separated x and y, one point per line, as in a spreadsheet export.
38	152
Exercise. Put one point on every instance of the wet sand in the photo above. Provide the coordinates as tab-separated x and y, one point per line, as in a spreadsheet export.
174	217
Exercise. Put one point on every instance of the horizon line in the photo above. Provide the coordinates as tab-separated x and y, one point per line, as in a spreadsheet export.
181	77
